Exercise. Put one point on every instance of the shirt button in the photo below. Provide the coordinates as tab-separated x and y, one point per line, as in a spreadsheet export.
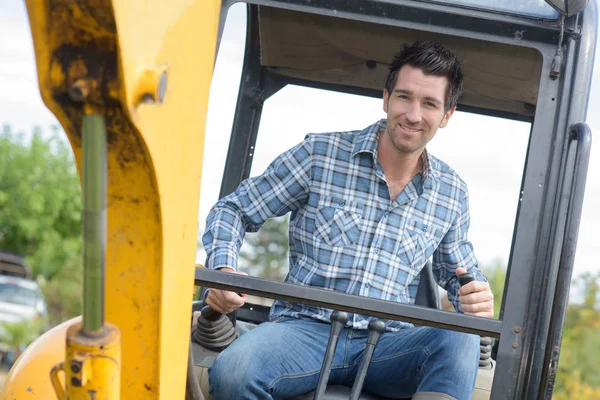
368	284
342	203
376	251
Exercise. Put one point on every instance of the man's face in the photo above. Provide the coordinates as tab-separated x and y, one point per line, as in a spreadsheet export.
415	109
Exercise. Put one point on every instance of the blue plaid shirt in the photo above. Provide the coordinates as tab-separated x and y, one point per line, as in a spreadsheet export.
345	233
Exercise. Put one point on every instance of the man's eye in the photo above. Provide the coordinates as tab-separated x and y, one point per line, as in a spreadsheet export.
431	105
403	96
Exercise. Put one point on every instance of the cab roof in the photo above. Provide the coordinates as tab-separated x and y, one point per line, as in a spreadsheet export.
332	50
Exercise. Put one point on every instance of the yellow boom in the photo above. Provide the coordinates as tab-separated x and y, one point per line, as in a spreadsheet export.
145	66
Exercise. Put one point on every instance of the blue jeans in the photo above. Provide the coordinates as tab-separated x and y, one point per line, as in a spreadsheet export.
281	360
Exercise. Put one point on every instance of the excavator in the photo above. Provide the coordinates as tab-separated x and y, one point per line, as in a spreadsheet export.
129	82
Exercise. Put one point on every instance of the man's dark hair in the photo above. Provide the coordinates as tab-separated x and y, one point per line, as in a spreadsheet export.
433	59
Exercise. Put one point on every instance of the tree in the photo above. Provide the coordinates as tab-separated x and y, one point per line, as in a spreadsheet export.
580	349
63	293
265	252
40	212
18	334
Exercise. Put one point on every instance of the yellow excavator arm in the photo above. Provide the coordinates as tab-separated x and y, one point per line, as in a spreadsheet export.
144	69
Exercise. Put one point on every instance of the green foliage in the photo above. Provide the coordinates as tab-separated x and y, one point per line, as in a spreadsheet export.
63	293
575	388
580	350
40	214
21	333
40	201
265	252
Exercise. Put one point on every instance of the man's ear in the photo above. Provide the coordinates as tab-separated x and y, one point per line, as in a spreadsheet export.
386	99
447	116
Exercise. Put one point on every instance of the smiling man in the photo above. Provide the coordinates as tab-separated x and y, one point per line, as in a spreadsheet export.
368	209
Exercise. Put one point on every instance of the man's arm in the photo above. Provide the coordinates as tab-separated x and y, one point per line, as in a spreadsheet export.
283	187
454	257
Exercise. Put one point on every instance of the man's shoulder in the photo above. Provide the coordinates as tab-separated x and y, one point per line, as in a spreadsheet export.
347	139
334	137
447	175
329	143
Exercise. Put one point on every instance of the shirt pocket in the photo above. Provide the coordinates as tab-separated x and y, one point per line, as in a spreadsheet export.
338	221
415	244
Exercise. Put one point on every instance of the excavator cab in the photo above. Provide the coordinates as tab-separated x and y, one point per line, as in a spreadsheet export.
514	56
130	88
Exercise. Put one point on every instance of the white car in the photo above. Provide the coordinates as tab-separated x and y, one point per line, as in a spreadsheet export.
20	299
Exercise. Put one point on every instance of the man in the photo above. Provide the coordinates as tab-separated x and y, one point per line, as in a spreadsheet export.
367	210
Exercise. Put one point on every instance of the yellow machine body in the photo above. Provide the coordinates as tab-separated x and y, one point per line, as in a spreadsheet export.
119	56
30	375
91	366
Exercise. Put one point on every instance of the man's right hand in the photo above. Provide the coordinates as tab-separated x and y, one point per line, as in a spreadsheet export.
224	301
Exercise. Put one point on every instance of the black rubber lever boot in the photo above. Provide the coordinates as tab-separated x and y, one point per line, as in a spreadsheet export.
376	329
214	331
338	320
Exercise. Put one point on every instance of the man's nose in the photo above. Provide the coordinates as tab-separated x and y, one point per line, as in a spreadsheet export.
413	114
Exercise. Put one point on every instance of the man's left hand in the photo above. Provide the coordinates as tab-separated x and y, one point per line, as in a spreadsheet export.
476	298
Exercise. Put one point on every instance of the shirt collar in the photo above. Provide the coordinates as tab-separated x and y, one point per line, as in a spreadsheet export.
367	142
368	139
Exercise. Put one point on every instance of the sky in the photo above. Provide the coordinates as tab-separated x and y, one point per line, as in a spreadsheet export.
492	168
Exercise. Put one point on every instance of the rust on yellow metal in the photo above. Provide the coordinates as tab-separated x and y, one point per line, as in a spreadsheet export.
109	53
91	365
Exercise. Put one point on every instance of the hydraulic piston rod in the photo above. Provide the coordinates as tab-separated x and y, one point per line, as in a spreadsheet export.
93	353
94	220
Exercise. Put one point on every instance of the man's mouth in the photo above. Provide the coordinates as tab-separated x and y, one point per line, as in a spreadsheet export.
409	130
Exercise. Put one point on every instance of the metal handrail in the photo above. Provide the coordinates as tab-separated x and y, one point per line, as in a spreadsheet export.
348	302
582	134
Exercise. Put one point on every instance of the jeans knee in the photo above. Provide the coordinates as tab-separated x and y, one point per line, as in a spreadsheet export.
219	374
470	345
452	363
230	375
463	348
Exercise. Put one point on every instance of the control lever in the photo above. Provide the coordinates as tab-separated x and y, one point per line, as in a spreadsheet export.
484	342
465	278
338	320
376	329
209	314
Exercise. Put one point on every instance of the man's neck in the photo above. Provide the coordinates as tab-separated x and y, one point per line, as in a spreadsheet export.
397	166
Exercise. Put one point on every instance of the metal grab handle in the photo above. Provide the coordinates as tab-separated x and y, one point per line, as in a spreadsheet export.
58	388
383	309
582	134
